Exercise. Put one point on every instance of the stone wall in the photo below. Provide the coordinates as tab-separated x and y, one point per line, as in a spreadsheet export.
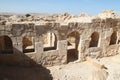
59	55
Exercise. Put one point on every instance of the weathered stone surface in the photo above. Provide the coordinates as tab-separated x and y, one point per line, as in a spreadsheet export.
51	39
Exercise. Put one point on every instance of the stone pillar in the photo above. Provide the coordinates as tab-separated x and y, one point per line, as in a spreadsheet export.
38	44
38	47
105	41
83	45
17	45
62	45
62	49
80	51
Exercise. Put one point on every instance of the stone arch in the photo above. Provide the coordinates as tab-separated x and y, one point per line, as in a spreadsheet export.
6	45
94	39
113	38
49	41
73	40
28	44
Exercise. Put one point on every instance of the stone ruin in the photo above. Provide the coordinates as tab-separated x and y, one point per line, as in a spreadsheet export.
54	43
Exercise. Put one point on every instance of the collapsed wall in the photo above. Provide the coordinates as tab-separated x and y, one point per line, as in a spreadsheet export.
54	44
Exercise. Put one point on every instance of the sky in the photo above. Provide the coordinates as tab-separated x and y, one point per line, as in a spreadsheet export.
58	6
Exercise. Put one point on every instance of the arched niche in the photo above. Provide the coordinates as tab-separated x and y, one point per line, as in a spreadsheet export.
6	45
73	40
49	41
94	39
28	44
113	38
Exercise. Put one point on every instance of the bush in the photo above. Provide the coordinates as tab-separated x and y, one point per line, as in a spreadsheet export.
27	15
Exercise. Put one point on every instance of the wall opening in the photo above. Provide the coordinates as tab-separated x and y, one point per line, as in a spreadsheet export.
6	46
28	44
49	41
72	50
94	39
113	38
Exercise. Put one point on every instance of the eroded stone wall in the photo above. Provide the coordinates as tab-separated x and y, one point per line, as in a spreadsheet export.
59	55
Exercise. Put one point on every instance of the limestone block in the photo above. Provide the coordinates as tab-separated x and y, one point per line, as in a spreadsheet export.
62	45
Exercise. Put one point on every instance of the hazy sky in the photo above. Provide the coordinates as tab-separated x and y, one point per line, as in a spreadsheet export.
58	6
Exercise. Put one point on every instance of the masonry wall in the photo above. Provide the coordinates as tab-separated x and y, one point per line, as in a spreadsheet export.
59	55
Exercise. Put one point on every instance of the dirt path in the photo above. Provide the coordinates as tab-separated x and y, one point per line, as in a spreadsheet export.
87	71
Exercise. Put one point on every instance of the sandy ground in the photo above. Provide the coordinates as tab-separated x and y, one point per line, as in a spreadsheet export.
72	71
87	71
